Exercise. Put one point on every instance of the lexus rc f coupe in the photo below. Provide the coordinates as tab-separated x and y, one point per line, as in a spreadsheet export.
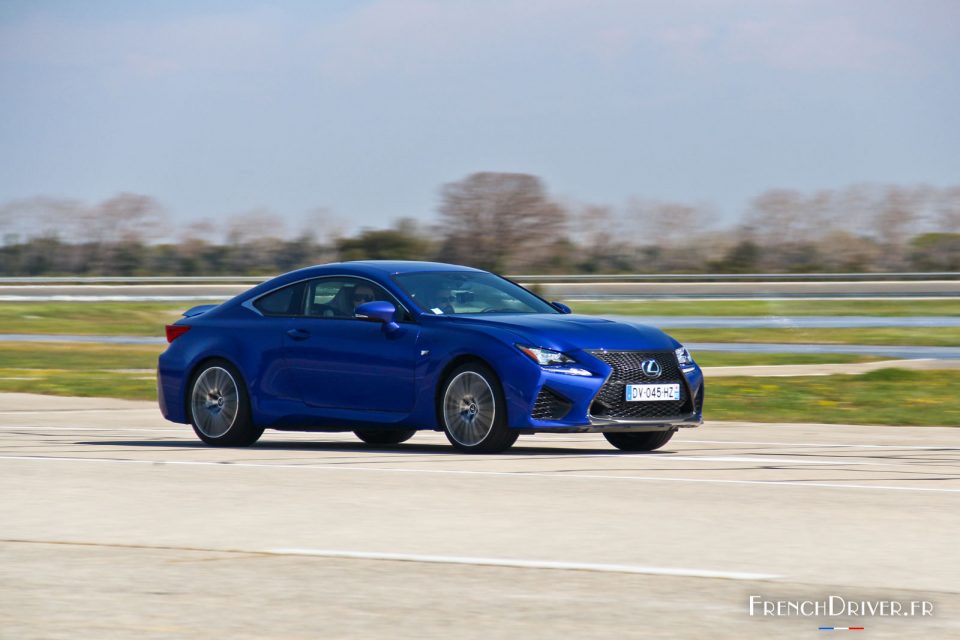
386	348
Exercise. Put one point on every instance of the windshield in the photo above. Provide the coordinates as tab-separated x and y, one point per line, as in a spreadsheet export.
463	292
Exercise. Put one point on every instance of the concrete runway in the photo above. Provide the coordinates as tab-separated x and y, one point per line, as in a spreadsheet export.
115	524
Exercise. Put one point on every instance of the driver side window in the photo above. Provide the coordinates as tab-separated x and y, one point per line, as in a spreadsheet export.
339	297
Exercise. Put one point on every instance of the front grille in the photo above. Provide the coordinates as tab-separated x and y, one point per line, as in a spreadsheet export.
611	401
550	405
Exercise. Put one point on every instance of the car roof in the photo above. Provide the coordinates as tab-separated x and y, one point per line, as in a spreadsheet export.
382	267
401	266
370	268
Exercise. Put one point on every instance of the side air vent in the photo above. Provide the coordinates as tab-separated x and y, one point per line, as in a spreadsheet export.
550	405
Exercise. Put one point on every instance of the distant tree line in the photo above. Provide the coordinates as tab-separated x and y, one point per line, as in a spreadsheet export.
507	222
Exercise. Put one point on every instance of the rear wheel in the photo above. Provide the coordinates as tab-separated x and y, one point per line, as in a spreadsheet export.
645	441
220	408
473	411
384	436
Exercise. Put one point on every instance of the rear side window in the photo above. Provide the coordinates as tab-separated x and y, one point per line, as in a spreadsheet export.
282	302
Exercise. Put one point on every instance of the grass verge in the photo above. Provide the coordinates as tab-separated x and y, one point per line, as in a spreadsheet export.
727	359
944	307
79	369
921	336
887	396
66	382
77	356
148	318
89	318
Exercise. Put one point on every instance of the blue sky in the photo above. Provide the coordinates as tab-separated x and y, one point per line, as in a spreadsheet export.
366	108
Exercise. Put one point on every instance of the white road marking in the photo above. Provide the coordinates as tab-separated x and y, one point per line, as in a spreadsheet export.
432	558
669	458
946	447
28	412
513	474
525	564
184	431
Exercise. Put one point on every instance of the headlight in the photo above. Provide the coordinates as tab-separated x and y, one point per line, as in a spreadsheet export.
545	357
684	359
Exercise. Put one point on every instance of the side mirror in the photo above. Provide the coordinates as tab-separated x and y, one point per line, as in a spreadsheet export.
562	308
379	311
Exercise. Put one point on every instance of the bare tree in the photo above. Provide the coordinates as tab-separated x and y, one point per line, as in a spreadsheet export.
126	218
252	226
321	225
778	216
499	221
948	208
44	217
594	227
664	224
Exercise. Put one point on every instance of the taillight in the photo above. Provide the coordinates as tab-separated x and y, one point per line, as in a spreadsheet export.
174	331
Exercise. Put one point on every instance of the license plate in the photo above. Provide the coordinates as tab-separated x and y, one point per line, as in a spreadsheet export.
652	392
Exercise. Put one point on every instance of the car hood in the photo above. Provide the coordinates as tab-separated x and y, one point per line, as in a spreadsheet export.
571	332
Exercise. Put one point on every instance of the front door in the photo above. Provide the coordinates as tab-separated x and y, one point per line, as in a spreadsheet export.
340	362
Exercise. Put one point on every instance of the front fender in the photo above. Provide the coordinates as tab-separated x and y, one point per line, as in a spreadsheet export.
448	346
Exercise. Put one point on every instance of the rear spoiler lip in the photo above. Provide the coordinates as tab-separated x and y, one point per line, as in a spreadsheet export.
199	309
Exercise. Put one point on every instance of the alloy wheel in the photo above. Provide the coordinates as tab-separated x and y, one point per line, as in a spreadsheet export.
469	408
215	402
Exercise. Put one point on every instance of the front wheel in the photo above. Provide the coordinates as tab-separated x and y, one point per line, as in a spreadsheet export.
384	436
644	441
473	411
220	408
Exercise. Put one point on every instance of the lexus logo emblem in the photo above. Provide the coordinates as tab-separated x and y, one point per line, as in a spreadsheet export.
651	368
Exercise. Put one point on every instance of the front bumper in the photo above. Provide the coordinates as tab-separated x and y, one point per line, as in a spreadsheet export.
615	425
576	404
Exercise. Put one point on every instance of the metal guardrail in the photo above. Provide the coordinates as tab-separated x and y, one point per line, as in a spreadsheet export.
742	277
526	278
133	280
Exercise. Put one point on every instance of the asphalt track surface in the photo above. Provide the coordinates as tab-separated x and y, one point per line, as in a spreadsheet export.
116	524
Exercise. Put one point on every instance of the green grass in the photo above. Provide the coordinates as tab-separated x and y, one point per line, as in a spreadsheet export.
927	336
725	359
79	369
89	318
888	396
77	356
64	382
148	319
944	307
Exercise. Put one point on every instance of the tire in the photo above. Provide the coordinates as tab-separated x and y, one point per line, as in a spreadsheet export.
644	441
384	436
473	412
219	406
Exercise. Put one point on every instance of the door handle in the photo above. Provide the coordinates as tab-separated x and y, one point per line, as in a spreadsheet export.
298	334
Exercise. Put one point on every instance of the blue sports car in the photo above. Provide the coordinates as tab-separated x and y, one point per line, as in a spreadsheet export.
386	348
